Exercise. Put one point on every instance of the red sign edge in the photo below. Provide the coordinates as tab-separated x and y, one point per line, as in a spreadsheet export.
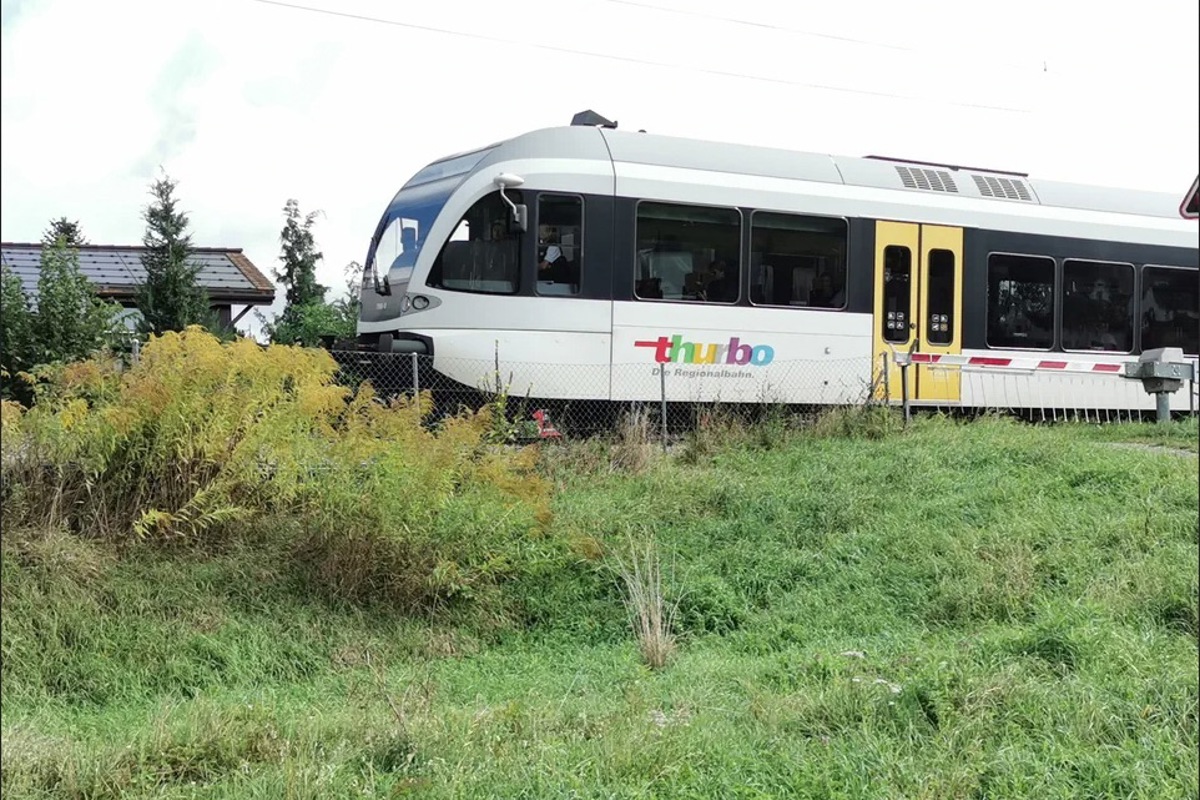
1187	198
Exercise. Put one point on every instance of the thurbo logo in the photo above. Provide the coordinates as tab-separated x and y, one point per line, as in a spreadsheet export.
676	351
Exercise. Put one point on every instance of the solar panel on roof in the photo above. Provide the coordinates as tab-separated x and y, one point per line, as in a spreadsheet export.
122	269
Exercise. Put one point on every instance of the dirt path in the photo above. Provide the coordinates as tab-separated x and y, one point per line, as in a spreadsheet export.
1155	448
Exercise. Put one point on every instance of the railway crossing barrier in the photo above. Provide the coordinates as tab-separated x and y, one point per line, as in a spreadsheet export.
1162	371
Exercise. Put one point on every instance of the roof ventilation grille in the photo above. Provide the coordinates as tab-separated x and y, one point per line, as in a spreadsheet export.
1007	188
931	180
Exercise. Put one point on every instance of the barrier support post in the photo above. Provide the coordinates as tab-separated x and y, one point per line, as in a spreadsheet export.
1162	371
903	360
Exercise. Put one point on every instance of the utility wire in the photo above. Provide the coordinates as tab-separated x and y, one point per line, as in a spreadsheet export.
687	12
632	60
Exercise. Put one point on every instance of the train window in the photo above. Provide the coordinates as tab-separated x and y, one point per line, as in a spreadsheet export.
1020	301
1097	306
1170	313
897	293
940	292
688	253
797	261
394	250
560	244
483	254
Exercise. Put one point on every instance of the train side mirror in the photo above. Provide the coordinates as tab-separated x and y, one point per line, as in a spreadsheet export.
382	285
520	212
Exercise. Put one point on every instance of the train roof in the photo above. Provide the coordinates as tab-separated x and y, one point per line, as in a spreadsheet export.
604	143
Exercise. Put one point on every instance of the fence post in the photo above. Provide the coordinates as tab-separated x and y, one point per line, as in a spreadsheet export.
887	389
137	349
662	375
499	386
416	370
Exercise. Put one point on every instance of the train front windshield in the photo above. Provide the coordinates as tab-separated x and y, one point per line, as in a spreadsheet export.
403	231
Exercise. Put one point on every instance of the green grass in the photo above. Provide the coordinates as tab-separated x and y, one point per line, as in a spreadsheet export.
957	611
1179	435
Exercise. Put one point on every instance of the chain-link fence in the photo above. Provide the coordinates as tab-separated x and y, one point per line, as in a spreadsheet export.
549	399
585	399
545	399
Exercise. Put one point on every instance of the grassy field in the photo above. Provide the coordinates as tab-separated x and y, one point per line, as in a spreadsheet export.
977	610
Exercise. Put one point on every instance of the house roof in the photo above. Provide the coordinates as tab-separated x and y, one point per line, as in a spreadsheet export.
116	270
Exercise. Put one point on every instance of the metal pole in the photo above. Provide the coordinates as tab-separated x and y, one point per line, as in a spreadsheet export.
416	384
904	392
662	376
1162	402
887	393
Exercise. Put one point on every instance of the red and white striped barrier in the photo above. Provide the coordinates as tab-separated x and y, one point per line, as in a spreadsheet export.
1022	364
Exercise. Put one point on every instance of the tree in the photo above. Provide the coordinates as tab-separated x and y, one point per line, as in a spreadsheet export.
16	332
345	308
65	229
308	324
306	318
299	255
71	322
170	299
348	306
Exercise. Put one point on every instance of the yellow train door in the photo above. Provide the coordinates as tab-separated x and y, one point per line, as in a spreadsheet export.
918	307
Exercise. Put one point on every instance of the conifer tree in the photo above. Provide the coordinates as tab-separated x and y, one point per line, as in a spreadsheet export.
171	298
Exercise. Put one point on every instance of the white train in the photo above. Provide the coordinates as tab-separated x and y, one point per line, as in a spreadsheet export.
585	260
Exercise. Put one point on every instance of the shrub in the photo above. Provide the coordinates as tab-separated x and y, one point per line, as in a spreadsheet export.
201	439
17	341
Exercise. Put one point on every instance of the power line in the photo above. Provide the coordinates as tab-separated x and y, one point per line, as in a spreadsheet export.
786	29
633	60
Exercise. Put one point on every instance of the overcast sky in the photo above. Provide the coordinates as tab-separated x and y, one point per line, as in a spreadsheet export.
248	103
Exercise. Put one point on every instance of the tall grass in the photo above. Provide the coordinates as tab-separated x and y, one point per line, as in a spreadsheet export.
633	451
980	609
652	617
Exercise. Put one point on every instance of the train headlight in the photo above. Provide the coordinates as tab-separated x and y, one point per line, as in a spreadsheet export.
405	304
420	302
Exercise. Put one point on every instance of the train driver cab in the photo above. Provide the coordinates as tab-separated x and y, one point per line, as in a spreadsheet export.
560	244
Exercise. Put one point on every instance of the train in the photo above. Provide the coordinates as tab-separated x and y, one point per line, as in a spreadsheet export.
588	263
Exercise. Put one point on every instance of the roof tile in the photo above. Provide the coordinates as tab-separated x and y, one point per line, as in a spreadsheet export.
116	270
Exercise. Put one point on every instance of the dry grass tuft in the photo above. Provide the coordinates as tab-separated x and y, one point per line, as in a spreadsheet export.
650	615
633	451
